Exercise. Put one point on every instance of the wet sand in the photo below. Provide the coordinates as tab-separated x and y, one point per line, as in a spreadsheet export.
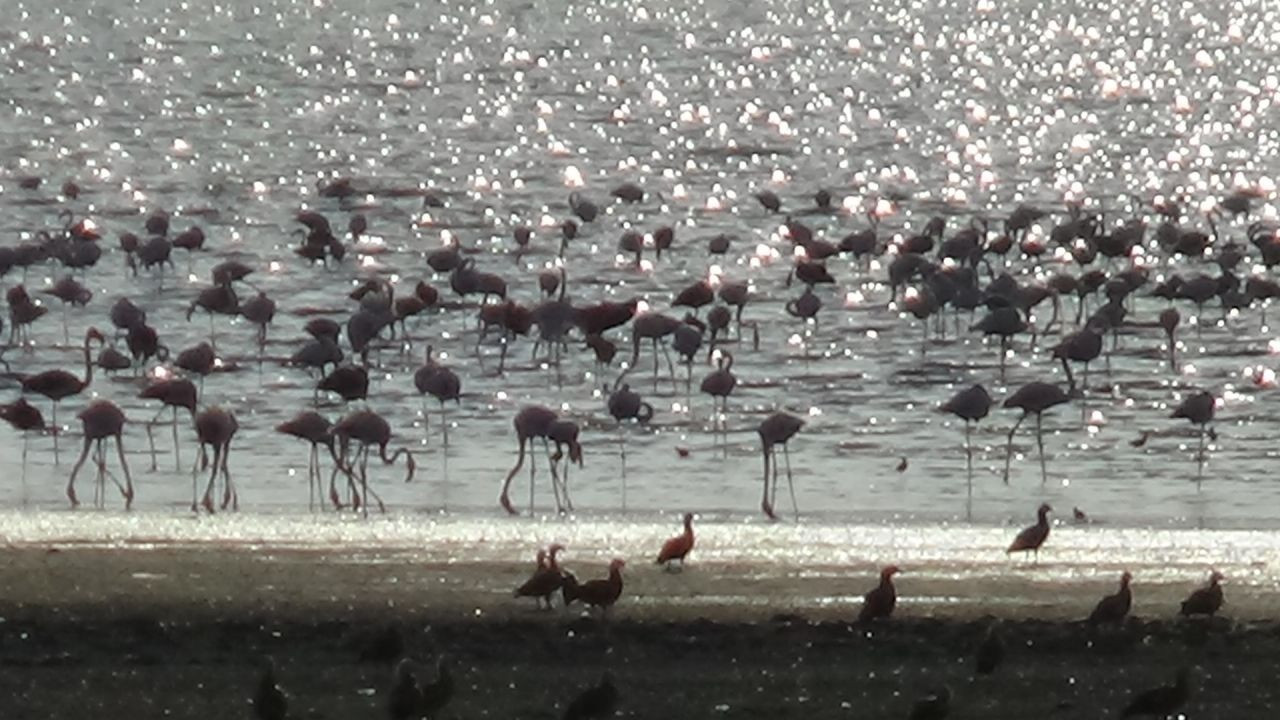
177	631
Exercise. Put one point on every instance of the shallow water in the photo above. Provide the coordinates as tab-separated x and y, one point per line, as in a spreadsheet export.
226	117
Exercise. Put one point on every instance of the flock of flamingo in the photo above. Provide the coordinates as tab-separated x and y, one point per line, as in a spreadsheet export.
927	273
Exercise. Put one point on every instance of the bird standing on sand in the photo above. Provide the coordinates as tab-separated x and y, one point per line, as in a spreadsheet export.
597	701
880	601
935	706
1206	600
678	547
1033	537
1113	609
596	593
269	701
1161	701
546	579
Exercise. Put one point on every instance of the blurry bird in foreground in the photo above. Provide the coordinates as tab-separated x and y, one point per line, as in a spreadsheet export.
598	701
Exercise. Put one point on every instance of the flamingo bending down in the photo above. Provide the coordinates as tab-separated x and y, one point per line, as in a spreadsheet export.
533	421
101	420
316	430
368	429
215	427
777	429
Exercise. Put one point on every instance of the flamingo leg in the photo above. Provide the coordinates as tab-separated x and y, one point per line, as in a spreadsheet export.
1008	451
765	504
127	490
444	424
55	432
1200	460
622	440
791	486
504	499
207	501
313	462
1044	475
177	456
229	488
71	484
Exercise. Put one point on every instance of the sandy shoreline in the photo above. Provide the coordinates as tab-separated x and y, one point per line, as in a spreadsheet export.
177	631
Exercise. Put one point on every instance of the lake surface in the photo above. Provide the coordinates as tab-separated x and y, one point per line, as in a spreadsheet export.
227	116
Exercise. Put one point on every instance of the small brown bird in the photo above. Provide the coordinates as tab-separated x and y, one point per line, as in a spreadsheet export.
902	465
1113	609
880	601
1079	515
545	581
597	701
678	547
1206	600
1141	440
682	452
269	701
1162	701
935	706
596	593
1033	537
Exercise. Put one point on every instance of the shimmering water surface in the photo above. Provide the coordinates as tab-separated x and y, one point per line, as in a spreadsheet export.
227	115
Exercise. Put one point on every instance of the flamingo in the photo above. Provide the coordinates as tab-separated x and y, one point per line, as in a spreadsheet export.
777	429
626	404
102	420
533	421
1198	408
172	393
368	429
23	417
316	430
1034	398
441	383
971	405
215	428
719	384
58	385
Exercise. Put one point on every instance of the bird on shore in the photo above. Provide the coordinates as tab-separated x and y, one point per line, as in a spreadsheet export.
546	578
1113	609
1206	600
597	701
678	547
880	601
1161	701
596	593
934	706
269	701
1031	538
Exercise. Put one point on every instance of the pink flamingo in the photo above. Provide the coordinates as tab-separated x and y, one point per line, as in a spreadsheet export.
367	428
173	393
215	428
316	430
777	429
533	421
58	385
101	420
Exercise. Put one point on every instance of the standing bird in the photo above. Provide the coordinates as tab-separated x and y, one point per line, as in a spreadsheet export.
23	417
597	593
596	702
173	393
546	578
1034	398
58	385
533	421
1169	320
441	383
1113	609
971	405
367	429
777	429
1161	701
1031	538
1198	408
269	701
678	547
934	706
215	427
626	404
880	601
719	384
1206	600
316	430
102	420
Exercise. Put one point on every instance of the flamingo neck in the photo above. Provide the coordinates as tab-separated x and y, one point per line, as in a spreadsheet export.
88	363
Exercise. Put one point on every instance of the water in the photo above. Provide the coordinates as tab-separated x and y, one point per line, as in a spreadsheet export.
227	117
